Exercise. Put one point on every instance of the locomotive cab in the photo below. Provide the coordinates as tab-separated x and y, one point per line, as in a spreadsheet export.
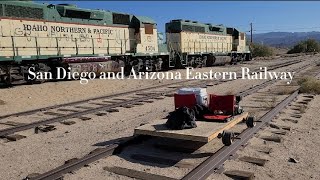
145	33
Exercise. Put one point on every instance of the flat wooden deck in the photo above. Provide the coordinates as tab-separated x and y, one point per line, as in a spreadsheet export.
205	132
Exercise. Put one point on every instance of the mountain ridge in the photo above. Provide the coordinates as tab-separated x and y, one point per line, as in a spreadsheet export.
284	39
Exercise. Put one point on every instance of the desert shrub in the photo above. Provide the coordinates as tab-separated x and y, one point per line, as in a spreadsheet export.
269	104
259	50
309	45
285	90
309	85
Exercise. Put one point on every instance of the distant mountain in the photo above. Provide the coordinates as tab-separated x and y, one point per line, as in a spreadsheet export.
284	39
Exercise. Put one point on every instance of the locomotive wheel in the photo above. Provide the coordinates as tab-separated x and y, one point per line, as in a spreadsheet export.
250	121
227	138
210	61
8	80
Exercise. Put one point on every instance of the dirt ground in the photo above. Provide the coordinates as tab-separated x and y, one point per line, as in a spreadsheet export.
39	153
28	97
300	143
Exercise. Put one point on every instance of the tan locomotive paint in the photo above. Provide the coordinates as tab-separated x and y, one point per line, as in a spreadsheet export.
241	43
190	42
31	37
147	43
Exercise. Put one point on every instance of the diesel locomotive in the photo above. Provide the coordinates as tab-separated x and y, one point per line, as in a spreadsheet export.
47	36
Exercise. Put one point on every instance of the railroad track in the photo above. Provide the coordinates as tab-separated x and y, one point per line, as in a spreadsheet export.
202	171
272	67
110	107
215	162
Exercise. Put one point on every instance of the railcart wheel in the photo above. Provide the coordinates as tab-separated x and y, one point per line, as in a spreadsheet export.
227	120
250	121
227	138
238	98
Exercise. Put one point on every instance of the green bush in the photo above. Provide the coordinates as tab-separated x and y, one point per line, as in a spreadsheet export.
309	85
309	45
259	50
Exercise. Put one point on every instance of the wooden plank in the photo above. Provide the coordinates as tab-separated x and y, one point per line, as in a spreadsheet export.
229	125
240	174
136	174
204	132
253	160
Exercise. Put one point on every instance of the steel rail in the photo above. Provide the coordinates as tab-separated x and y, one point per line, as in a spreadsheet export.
210	165
23	127
206	167
58	172
264	84
12	130
123	93
91	99
111	149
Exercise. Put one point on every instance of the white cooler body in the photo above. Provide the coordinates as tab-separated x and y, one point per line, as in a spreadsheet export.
201	94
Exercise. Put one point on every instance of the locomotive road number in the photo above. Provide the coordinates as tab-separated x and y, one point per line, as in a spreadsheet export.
150	48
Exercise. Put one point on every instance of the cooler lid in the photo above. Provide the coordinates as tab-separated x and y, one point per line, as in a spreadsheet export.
192	90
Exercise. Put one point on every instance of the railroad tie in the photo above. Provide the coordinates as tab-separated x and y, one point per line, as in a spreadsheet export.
12	123
136	174
15	137
138	103
160	160
279	132
53	114
68	110
253	160
236	174
44	128
291	120
67	122
264	149
101	114
147	101
83	118
277	139
272	125
112	110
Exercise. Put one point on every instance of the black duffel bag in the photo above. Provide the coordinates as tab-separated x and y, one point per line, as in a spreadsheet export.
182	118
200	111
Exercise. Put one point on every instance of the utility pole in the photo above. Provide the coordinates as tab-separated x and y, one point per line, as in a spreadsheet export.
251	32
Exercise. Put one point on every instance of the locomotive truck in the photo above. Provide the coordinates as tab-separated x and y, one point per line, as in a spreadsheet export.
47	36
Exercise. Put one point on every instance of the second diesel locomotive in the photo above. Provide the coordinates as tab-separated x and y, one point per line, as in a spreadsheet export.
46	36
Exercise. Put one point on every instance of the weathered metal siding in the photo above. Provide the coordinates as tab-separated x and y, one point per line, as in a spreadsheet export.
52	38
147	43
242	43
174	41
23	12
188	42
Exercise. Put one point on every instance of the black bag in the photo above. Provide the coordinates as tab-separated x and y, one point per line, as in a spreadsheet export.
200	111
182	118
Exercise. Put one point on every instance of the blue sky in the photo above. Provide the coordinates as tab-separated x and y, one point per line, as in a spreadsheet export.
265	16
